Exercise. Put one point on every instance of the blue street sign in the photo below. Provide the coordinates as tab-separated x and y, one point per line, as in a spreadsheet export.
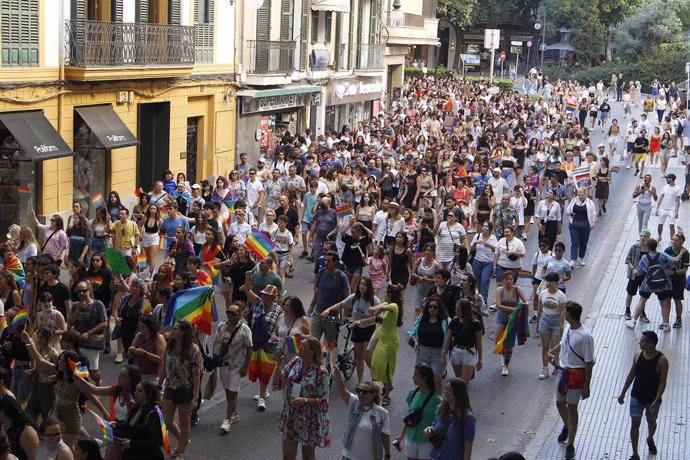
543	47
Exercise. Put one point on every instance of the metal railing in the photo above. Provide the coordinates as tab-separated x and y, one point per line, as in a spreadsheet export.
269	57
124	44
409	20
341	60
371	56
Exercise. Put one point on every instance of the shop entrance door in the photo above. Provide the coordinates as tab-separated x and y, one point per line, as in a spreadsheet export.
154	150
192	148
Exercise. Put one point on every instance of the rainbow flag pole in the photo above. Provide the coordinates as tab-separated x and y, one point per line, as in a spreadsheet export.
106	429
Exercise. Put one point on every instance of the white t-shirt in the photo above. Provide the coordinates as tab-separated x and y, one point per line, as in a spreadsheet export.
540	260
241	231
550	302
582	342
670	194
283	240
380	221
254	190
361	447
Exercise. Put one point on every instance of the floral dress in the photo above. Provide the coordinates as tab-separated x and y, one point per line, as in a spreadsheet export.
308	425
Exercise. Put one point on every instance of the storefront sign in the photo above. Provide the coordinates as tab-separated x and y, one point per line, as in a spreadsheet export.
278	102
45	148
349	89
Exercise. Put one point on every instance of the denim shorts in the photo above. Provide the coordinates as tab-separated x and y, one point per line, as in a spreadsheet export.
550	324
430	356
463	357
502	317
637	408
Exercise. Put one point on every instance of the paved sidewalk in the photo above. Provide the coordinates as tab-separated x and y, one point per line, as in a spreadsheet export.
604	424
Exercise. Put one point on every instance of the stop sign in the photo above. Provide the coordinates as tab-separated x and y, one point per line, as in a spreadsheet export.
503	55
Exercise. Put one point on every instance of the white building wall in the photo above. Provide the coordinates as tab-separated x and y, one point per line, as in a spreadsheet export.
224	36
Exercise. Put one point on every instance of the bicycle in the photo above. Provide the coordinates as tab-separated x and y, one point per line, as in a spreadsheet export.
346	355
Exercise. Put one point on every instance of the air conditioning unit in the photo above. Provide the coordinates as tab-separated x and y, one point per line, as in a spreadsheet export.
320	59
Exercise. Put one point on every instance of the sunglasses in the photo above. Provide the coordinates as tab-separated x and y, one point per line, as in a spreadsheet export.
362	391
231	312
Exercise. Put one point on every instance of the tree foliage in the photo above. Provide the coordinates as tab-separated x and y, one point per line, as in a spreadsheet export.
457	12
653	23
582	18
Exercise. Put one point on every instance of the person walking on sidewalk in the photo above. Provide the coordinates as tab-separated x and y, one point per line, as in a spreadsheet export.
648	379
632	260
668	204
577	361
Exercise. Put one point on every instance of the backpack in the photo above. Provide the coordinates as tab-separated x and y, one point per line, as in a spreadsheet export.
656	277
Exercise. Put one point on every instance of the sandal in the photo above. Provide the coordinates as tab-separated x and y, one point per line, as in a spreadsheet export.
290	274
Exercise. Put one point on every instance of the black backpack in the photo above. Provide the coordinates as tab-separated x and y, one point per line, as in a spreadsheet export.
656	277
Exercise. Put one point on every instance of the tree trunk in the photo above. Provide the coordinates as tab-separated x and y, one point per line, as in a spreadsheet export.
607	44
456	58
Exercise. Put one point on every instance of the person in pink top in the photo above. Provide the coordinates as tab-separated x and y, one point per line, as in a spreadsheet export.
377	268
54	236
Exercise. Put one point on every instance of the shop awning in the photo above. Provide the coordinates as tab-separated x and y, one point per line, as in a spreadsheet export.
35	135
339	6
297	89
107	126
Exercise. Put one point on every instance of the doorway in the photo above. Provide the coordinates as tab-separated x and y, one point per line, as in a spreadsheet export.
192	148
154	135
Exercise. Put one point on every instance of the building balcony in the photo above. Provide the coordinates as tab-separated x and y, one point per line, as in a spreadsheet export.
370	58
98	50
414	29
270	62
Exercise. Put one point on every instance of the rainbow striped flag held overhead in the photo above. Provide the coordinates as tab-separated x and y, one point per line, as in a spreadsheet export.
259	244
164	431
196	305
79	369
20	319
106	429
164	212
24	191
343	210
97	200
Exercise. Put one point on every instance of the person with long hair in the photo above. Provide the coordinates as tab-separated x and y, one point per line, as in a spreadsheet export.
423	273
54	236
454	422
426	399
100	227
141	432
87	449
400	260
464	341
9	291
393	224
221	194
150	236
293	322
427	335
128	312
42	396
384	357
357	306
20	428
52	446
483	205
181	370
211	253
77	274
114	205
304	418
78	239
148	348
198	231
449	234
28	245
234	272
508	295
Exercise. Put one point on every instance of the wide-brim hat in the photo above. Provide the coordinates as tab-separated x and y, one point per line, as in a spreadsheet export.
270	290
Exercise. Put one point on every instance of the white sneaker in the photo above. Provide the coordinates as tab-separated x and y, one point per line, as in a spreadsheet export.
225	426
627	167
544	373
505	371
118	358
582	262
492	307
261	405
258	396
531	220
631	323
666	327
572	263
235	418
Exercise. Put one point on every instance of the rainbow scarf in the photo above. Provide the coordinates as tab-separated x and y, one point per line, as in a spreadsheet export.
517	328
227	200
106	429
259	244
196	305
20	319
14	266
164	431
79	369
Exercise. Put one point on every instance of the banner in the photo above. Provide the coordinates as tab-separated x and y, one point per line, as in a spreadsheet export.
117	261
582	177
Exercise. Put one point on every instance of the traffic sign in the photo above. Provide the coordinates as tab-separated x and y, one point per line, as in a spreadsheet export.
543	47
503	55
529	44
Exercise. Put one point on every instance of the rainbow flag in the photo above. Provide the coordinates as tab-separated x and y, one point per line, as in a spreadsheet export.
570	106
230	204
615	169
261	365
14	266
96	280
164	431
79	369
24	191
215	274
19	319
185	195
259	244
106	429
292	344
517	328
497	154
524	273
343	210
141	261
146	307
196	305
97	200
164	242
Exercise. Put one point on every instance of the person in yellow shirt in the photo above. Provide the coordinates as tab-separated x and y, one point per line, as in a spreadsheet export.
125	234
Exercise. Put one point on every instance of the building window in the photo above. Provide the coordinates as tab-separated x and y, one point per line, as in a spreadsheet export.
329	25
19	32
315	27
203	30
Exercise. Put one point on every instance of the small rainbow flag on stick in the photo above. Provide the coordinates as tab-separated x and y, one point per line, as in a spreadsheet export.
164	431
24	191
164	212
164	242
497	154
343	210
97	200
106	429
141	261
146	307
259	244
292	344
19	319
79	369
524	273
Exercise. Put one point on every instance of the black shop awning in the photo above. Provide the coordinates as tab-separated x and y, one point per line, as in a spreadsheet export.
35	135
107	126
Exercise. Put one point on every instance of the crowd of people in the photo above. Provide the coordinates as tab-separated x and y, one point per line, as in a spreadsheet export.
420	207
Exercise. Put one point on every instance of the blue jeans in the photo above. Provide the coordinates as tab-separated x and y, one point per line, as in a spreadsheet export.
579	237
482	273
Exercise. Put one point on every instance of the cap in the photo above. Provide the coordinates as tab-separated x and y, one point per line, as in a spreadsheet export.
262	160
670	176
645	232
270	290
602	145
498	170
196	186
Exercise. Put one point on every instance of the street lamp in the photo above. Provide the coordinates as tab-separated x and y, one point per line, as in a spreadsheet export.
541	26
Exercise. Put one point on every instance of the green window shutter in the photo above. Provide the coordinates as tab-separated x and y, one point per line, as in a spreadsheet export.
142	11
116	10
78	10
286	33
351	33
303	35
339	54
314	27
204	16
329	25
174	12
19	32
263	27
373	16
360	21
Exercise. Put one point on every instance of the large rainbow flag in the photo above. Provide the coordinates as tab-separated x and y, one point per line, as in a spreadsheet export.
517	328
259	244
196	305
14	266
20	319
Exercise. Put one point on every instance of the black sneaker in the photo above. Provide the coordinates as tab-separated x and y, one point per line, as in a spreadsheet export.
303	255
569	451
678	323
643	317
564	434
195	419
634	457
533	319
628	316
637	171
603	208
652	446
310	258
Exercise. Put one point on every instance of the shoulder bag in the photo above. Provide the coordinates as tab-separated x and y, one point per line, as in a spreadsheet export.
415	416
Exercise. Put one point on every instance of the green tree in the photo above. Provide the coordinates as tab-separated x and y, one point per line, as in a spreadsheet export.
653	23
612	13
458	13
586	28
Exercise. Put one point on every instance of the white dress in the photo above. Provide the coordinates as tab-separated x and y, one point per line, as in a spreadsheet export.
445	239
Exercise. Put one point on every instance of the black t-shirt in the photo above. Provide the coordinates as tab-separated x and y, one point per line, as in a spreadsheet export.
430	334
293	217
60	293
449	297
354	251
464	336
641	145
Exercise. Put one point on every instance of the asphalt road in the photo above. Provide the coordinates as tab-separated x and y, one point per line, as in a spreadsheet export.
509	409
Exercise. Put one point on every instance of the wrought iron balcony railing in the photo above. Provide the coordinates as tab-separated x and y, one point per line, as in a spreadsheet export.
271	57
128	44
371	56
